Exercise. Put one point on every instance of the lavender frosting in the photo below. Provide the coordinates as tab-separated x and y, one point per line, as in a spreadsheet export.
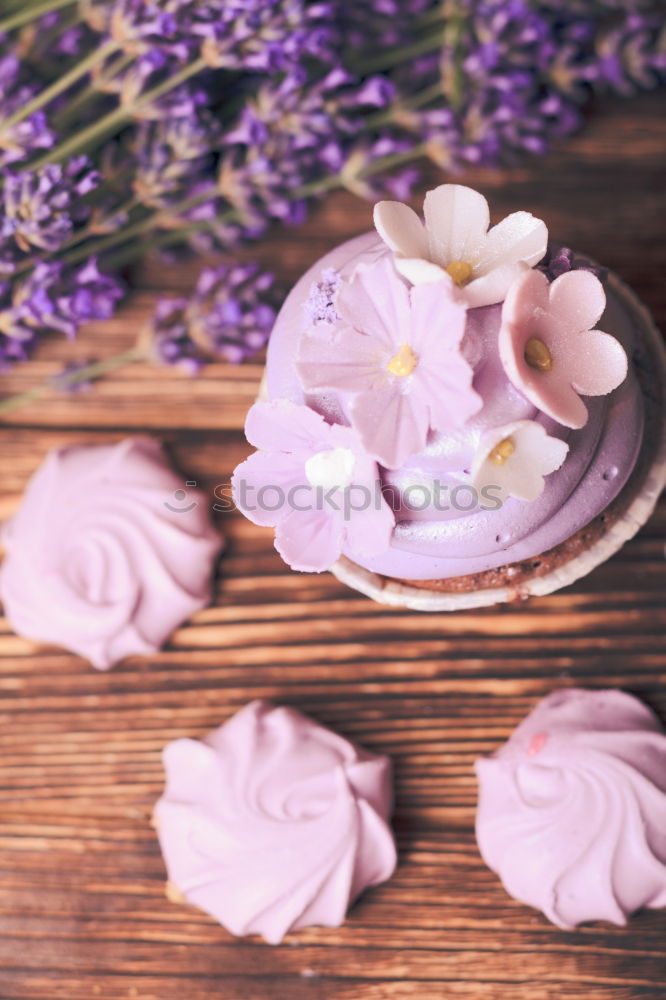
433	543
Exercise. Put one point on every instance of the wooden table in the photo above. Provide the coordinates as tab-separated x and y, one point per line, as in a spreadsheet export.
83	913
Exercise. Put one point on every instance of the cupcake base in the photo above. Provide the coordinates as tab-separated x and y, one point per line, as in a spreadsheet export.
579	554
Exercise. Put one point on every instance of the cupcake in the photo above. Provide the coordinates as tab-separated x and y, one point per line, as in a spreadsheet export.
273	823
572	810
455	415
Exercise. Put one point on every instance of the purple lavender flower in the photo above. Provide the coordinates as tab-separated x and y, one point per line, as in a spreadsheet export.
630	55
141	27
148	70
20	140
40	209
72	40
294	133
381	24
52	297
89	294
503	101
515	73
370	170
264	35
168	338
173	156
559	260
470	81
230	316
231	313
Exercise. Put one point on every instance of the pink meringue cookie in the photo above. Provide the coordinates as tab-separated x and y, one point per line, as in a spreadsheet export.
102	557
572	810
273	823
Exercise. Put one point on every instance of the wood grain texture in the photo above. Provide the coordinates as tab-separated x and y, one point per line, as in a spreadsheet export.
82	908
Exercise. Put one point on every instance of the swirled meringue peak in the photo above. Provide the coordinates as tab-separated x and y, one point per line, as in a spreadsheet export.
272	823
572	809
101	557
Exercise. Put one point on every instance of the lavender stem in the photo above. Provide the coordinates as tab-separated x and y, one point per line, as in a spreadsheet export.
32	13
60	85
117	118
94	370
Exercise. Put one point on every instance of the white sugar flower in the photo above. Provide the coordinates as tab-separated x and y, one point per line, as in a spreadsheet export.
515	458
456	240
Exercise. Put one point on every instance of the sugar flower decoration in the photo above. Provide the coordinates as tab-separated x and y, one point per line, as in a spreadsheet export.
456	241
398	350
549	348
312	482
515	458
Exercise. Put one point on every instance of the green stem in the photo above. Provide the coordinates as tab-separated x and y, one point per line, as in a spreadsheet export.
63	83
79	142
80	237
173	81
107	242
453	33
125	255
394	57
115	119
395	160
89	373
432	16
42	42
74	241
151	222
409	104
450	21
31	12
68	115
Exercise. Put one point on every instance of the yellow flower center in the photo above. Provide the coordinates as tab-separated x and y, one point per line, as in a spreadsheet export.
404	362
537	355
502	451
460	271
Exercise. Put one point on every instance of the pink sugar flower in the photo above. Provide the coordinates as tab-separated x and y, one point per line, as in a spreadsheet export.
549	348
312	482
398	350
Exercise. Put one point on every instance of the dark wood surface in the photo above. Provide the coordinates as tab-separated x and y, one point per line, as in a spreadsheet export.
83	913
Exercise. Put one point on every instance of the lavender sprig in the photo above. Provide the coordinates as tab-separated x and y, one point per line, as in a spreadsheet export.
206	121
559	260
41	209
52	298
229	317
18	140
287	136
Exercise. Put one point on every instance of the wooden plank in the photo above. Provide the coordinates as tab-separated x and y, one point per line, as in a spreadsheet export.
83	913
